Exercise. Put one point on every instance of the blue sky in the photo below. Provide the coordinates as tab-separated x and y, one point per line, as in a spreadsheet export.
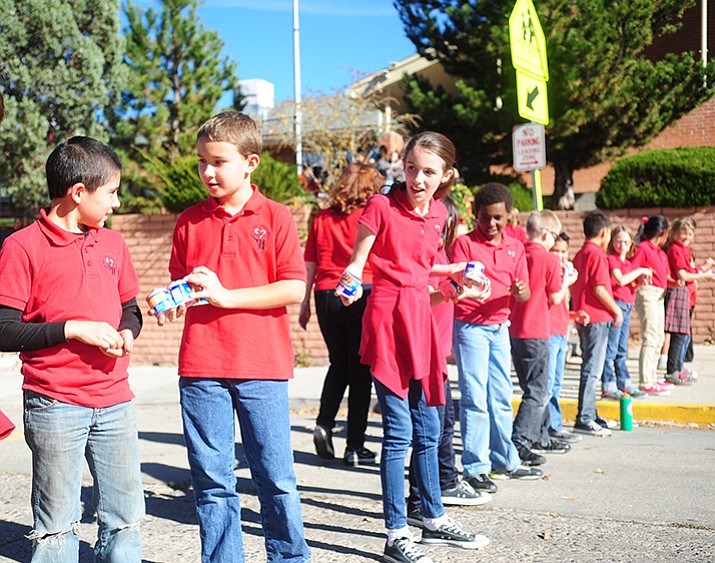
340	39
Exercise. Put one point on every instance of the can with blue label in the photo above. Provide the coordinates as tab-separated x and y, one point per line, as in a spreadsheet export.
181	293
160	300
474	276
348	284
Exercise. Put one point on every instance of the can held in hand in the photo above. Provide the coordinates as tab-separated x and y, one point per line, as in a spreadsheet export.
450	289
181	293
160	300
348	284
569	268
474	276
626	412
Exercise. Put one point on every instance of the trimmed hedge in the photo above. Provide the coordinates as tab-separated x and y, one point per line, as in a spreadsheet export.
682	177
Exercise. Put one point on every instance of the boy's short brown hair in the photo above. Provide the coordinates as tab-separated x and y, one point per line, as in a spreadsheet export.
236	128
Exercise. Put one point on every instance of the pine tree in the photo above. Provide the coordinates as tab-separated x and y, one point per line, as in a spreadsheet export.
176	78
60	71
605	95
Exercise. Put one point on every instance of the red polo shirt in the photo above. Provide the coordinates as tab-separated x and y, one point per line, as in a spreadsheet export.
592	267
559	318
625	293
530	319
256	247
399	334
330	245
680	257
503	262
649	255
52	275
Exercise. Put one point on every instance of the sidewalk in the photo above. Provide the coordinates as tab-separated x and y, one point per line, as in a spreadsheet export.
589	501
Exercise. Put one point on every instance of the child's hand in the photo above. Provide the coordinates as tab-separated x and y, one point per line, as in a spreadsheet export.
619	318
518	289
208	284
347	301
456	271
169	315
581	317
102	335
304	315
480	296
126	348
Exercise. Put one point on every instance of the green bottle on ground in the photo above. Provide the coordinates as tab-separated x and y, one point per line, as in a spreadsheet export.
626	412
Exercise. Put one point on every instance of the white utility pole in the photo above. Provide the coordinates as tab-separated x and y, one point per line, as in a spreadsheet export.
298	117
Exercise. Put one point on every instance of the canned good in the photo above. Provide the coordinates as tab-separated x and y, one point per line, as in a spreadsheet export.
569	268
160	300
474	276
348	284
181	293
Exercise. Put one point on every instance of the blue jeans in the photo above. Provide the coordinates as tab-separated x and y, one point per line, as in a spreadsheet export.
594	340
617	353
558	344
483	356
60	437
207	408
408	422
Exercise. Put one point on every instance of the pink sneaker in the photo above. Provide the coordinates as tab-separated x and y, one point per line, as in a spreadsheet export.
664	384
692	374
656	390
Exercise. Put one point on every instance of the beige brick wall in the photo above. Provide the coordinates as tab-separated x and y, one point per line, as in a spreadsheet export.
149	240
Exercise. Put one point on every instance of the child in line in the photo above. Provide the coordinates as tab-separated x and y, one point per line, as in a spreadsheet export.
680	296
616	378
529	332
481	345
455	491
592	294
400	232
651	236
241	251
559	322
68	304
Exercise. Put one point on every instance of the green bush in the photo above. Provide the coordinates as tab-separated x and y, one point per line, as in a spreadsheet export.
182	188
682	177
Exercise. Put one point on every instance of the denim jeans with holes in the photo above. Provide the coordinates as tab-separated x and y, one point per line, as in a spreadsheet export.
60	435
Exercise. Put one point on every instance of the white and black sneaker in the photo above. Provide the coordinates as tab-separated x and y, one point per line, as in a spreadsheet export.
323	441
452	533
404	550
552	447
463	494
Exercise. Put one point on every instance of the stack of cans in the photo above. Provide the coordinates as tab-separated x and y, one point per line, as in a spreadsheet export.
175	294
474	276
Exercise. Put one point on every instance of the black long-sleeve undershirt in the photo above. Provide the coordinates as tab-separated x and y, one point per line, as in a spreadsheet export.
18	336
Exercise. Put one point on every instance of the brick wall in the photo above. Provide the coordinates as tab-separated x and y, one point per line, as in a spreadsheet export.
149	239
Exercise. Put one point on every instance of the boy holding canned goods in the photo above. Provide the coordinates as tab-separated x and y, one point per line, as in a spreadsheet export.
68	303
240	251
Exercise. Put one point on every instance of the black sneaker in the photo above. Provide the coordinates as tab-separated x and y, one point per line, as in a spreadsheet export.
464	495
363	456
414	516
404	550
605	422
529	458
553	447
592	428
451	533
521	472
482	483
323	440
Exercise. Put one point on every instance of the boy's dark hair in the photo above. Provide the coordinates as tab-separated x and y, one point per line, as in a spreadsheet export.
492	193
236	128
594	223
80	160
563	235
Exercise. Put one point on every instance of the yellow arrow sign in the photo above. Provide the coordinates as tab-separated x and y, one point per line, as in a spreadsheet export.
532	97
527	40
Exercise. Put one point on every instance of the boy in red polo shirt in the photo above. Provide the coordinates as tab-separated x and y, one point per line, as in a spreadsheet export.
481	345
529	332
592	294
68	303
241	250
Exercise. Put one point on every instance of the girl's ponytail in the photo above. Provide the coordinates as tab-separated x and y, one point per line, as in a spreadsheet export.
651	227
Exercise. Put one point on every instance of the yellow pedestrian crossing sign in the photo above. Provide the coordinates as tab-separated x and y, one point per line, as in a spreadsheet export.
528	55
